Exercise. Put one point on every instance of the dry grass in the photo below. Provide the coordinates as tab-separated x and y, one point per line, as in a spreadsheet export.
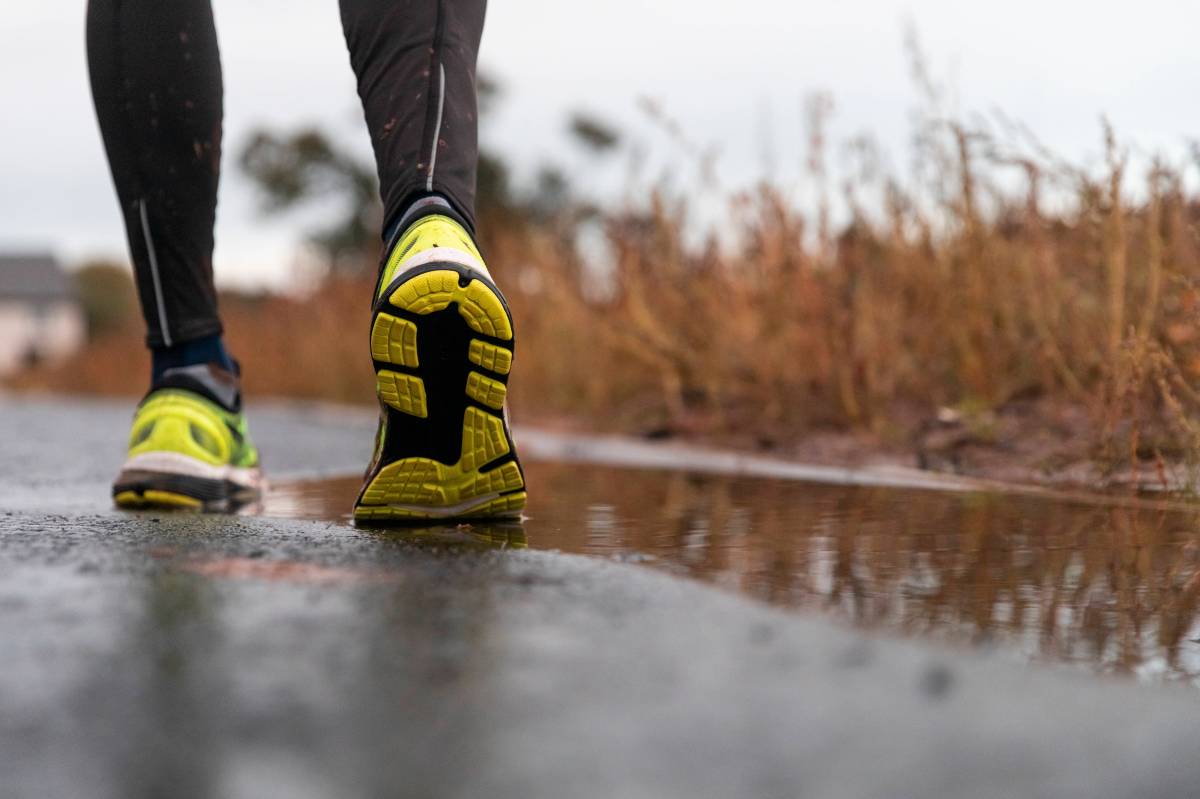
957	290
930	302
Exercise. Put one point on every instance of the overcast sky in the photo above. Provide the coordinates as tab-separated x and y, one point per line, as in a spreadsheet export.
734	75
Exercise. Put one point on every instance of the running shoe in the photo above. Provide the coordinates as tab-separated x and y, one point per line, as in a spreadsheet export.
189	447
442	345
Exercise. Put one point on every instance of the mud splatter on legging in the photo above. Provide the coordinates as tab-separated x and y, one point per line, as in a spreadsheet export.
156	82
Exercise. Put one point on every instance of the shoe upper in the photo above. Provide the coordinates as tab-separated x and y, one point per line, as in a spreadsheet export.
191	411
434	238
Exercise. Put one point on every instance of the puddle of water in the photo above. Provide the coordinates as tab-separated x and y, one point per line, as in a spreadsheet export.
1108	588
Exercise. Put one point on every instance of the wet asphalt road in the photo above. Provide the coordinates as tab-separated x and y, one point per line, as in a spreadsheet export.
179	655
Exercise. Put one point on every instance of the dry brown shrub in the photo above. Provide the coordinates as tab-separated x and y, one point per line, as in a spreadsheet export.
960	289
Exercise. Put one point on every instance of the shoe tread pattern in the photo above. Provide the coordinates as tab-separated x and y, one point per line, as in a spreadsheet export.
442	345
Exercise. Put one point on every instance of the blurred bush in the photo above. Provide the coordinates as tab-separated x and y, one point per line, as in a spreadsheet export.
992	272
108	297
305	167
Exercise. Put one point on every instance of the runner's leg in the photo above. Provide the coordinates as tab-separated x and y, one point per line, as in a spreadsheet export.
415	64
156	83
441	337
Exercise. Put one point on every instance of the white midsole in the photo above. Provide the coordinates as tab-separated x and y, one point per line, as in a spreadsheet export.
442	255
176	463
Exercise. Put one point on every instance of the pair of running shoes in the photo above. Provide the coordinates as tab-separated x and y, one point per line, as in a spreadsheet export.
441	342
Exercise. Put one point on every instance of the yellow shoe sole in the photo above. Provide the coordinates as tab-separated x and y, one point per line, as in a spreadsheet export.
442	344
151	499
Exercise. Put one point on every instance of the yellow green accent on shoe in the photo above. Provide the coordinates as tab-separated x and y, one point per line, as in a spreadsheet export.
434	231
187	452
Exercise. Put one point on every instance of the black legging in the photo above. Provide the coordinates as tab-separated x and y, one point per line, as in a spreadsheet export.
156	82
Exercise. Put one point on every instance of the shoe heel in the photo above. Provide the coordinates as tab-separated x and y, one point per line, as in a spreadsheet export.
442	342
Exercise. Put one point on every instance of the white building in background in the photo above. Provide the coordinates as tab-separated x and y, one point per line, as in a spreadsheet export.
40	316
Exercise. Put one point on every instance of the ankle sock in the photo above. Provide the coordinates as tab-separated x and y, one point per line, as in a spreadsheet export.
210	349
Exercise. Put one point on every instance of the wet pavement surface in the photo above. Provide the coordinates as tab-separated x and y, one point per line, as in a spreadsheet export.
1112	589
184	655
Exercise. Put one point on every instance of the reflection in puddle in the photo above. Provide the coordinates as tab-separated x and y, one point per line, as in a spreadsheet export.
1112	588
